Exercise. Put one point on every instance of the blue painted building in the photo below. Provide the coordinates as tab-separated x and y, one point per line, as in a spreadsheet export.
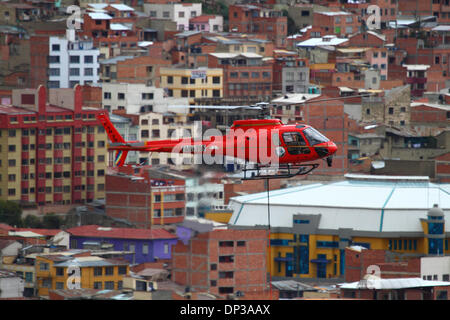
143	245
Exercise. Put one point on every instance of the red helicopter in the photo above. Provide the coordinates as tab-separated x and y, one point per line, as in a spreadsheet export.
265	144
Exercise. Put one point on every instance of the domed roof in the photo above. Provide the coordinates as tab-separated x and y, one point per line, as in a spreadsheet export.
435	211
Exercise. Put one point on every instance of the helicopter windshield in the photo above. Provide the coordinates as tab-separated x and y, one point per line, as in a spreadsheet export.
314	137
295	142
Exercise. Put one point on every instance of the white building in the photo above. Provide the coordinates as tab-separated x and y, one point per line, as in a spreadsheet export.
178	12
435	268
72	63
162	126
11	285
129	131
202	196
136	98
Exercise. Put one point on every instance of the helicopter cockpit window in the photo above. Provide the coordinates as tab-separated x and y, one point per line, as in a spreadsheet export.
314	137
295	142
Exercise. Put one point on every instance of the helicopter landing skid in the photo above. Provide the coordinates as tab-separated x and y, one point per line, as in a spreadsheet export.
281	171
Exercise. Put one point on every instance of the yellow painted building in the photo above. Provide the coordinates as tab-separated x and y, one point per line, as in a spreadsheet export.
61	272
192	83
221	216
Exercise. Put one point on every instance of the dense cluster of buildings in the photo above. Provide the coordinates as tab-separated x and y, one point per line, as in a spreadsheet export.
374	81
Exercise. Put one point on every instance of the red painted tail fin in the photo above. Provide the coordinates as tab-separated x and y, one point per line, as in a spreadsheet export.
114	136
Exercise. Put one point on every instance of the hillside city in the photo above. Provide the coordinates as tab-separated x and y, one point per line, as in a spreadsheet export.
368	223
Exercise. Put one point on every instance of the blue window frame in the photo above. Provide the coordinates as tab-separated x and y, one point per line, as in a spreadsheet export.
327	244
299	221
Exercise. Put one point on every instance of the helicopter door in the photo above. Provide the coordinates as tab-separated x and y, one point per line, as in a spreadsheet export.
295	143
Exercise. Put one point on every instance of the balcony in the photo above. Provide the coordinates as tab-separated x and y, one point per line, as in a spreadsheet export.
416	80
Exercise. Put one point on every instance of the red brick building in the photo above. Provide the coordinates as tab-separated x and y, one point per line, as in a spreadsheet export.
112	29
326	114
425	8
39	52
222	261
338	23
358	264
367	39
144	200
246	18
244	74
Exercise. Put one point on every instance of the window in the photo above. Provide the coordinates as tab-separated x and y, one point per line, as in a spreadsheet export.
53	59
98	271
121	96
88	71
226	243
53	72
74	59
122	270
240	243
97	285
216	80
88	59
436	59
147	96
145	248
60	271
43	266
109	271
109	285
226	259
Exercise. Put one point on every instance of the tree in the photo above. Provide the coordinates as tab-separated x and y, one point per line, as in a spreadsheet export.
31	221
10	213
51	221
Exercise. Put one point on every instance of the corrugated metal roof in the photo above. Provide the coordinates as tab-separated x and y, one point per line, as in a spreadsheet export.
374	206
120	233
99	16
399	283
321	42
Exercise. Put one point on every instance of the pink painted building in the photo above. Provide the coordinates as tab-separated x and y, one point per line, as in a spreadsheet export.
208	23
378	59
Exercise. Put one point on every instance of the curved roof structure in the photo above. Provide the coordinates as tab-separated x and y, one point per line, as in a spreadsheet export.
361	203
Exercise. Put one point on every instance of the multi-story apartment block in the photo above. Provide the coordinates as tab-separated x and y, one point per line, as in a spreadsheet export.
145	200
220	261
71	63
245	18
290	74
130	69
168	125
51	154
129	130
192	83
244	74
181	13
134	98
137	98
